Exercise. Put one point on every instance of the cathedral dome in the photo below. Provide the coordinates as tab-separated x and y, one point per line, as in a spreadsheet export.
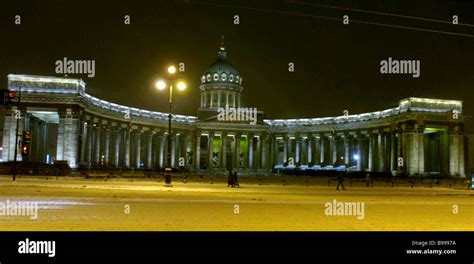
221	71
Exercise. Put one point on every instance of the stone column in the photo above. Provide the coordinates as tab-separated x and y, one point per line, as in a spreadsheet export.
258	161
461	156
210	150
317	150
97	142
285	150
297	150
333	148
197	162
371	151
90	135
162	145
401	149
421	150
453	155
9	128
126	147
454	151
137	136
44	142
67	142
414	149
360	145
60	137
149	150
347	154
174	148
223	152
392	152
83	152
291	152
310	151
322	155
186	150
237	151
106	150
265	149
116	149
304	151
250	151
211	103
381	151
275	152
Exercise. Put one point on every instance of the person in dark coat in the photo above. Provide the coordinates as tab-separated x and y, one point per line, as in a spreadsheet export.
230	179
235	179
367	180
340	182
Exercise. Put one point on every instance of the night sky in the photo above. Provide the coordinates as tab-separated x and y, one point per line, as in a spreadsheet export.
336	65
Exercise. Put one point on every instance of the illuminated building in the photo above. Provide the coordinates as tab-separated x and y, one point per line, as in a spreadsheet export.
419	136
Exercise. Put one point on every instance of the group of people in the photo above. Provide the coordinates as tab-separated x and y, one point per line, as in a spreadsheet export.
232	180
340	181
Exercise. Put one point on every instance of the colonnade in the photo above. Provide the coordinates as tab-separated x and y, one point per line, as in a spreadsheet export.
91	141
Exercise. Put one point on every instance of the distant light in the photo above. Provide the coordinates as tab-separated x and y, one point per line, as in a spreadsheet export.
172	69
160	85
182	86
356	157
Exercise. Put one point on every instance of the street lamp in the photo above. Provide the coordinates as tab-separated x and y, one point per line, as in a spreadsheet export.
162	84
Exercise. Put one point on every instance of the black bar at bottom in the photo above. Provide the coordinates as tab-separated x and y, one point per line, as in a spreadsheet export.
71	245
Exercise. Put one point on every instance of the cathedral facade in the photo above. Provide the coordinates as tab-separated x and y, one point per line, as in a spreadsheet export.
420	136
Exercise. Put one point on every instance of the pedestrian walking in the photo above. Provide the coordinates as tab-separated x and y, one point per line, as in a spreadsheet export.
340	182
230	179
235	179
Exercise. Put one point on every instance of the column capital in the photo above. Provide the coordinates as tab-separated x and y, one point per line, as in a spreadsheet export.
420	129
68	113
360	135
454	129
265	137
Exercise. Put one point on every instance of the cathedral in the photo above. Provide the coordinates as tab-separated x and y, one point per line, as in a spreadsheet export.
419	136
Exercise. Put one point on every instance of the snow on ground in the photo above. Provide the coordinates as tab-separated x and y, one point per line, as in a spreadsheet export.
79	204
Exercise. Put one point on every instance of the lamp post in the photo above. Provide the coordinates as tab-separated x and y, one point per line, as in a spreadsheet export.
17	116
161	85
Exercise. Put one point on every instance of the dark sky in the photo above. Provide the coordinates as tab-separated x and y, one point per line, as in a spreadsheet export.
337	66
